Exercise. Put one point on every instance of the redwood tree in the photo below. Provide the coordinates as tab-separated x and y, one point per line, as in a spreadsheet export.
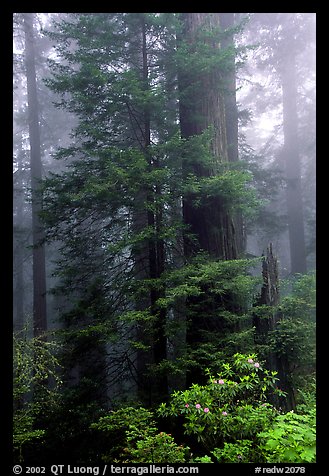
202	106
292	164
39	270
211	226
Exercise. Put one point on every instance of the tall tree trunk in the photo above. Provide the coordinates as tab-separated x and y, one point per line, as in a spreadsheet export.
39	268
153	388
18	248
292	166
228	22
202	105
231	111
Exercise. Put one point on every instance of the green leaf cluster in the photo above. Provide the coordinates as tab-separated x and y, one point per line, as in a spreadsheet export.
231	406
135	438
291	439
35	364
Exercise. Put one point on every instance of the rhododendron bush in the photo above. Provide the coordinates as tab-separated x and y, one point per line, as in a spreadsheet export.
229	420
232	405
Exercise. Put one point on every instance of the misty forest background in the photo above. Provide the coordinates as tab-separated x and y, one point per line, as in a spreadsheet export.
164	237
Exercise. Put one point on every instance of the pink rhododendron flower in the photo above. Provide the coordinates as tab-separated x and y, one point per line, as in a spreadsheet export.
206	410
220	381
256	364
250	361
224	413
187	405
198	405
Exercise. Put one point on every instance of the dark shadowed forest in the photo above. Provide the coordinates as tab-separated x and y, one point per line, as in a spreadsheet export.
163	239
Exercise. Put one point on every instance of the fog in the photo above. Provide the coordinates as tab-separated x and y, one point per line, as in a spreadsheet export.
164	182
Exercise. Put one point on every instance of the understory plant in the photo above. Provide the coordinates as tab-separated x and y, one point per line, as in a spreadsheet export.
134	438
291	438
228	420
231	406
36	383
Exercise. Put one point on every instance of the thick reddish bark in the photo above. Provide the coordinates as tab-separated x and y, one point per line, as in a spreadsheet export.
211	225
202	105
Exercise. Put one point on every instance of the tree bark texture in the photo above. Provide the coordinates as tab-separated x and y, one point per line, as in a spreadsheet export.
202	105
212	226
269	294
39	269
228	21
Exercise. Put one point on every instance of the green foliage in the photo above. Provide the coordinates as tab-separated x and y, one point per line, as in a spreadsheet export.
216	294
239	452
230	419
34	361
35	387
294	337
221	277
291	338
231	406
158	448
135	438
118	204
222	418
201	459
291	439
291	342
122	428
230	185
67	427
306	395
24	433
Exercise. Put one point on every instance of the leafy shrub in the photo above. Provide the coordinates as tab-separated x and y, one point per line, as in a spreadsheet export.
116	428
231	406
294	337
135	438
239	452
201	459
158	448
228	420
34	363
291	439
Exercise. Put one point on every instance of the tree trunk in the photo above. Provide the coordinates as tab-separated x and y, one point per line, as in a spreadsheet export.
152	256
18	250
202	105
19	236
39	268
293	167
227	21
231	111
270	296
